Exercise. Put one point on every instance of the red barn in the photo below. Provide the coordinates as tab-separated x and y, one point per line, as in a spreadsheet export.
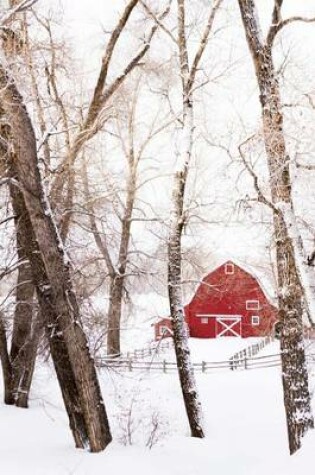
228	302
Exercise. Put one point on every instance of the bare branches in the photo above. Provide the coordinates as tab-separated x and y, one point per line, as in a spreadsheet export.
304	166
101	244
103	93
260	196
278	24
152	15
20	7
203	43
99	88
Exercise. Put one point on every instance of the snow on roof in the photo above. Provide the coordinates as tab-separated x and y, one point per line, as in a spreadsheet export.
262	273
158	306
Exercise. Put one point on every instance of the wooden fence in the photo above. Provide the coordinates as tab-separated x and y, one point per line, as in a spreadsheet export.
154	349
243	360
240	358
247	363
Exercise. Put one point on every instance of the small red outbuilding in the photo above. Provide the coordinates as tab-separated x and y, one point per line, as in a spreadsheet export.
228	302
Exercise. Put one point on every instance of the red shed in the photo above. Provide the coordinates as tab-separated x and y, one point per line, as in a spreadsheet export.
228	302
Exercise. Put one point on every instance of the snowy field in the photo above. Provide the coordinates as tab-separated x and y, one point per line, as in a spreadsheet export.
243	414
214	350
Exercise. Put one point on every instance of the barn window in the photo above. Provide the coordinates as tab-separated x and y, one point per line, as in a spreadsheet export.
252	304
255	320
204	320
229	268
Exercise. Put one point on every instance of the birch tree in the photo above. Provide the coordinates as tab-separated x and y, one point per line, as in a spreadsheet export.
293	281
188	78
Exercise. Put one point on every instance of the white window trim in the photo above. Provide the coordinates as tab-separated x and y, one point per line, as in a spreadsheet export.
231	266
204	320
255	320
252	305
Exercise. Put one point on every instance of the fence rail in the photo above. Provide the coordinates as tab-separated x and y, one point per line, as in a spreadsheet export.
240	358
257	362
245	359
154	348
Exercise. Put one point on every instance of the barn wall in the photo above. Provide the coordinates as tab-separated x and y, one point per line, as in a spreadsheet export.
226	294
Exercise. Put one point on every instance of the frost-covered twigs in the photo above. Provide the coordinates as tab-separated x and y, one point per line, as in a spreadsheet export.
18	8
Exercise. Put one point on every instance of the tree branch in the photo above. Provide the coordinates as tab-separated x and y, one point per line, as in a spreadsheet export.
152	15
203	43
260	196
20	7
274	29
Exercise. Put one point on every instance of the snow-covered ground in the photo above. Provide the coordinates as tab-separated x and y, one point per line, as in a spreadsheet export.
214	349
243	414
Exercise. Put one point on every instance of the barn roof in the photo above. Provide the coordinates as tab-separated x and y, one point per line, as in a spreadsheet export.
264	275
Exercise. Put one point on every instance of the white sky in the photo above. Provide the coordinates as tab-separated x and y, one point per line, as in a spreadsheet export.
85	22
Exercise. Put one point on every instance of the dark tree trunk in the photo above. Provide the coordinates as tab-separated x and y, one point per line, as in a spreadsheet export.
114	316
24	340
57	343
6	365
116	273
25	336
74	365
294	371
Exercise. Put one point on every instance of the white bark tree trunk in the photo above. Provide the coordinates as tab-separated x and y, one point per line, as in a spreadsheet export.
180	334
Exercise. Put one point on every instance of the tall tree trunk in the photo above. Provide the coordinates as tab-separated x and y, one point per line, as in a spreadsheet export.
188	76
185	369
116	273
294	372
118	278
114	315
25	336
6	365
74	365
24	340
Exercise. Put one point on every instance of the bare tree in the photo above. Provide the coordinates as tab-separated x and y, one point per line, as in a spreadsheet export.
292	285
41	244
26	327
83	400
119	263
99	110
188	76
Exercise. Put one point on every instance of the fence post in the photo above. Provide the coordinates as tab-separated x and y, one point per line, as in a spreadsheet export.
245	362
130	364
164	366
203	366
